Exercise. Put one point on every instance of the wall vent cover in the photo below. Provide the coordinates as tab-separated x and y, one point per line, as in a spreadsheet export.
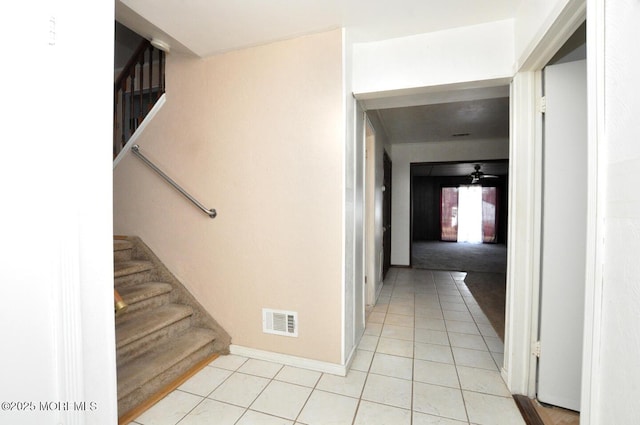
280	322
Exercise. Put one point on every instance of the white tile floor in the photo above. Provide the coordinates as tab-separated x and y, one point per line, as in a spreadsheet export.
429	356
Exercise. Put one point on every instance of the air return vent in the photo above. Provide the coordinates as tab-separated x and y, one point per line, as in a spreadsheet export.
280	322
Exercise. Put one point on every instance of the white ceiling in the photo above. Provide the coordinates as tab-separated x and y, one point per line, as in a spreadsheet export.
474	119
438	113
208	27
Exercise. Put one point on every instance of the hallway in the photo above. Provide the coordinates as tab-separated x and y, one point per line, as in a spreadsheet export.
486	272
429	356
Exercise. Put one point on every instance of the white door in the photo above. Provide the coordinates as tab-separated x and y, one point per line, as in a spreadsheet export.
563	235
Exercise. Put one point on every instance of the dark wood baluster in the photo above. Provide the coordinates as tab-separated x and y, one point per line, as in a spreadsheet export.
115	123
140	90
131	123
150	78
161	77
125	90
123	110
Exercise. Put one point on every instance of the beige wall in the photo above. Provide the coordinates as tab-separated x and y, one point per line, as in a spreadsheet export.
257	134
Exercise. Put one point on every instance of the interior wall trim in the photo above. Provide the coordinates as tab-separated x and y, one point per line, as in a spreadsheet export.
295	361
552	36
523	264
68	330
134	137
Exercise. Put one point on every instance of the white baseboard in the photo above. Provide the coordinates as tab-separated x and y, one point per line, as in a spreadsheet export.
301	362
352	355
505	377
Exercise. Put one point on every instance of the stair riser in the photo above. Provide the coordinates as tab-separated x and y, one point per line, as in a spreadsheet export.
150	360
138	396
123	255
149	303
179	295
135	278
142	345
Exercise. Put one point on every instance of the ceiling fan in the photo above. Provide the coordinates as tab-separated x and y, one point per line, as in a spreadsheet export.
478	175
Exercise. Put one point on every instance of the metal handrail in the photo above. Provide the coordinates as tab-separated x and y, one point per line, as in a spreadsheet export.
210	212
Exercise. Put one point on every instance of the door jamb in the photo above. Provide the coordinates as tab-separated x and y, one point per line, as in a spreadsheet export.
591	371
523	278
370	250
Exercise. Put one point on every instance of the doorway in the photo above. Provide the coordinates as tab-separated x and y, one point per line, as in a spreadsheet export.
436	212
436	203
564	224
526	235
377	213
443	129
386	214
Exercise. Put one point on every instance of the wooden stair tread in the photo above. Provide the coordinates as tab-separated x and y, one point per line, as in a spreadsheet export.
131	327
143	291
125	268
137	372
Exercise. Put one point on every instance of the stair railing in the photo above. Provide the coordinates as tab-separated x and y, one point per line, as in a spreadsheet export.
136	90
208	211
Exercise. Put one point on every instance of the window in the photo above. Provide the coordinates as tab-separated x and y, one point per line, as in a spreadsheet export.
489	214
468	214
449	214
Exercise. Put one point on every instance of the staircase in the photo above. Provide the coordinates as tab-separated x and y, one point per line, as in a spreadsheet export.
164	336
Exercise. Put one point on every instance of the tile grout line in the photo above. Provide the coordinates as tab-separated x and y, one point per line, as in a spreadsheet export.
464	403
194	407
260	393
235	371
315	386
409	285
413	360
364	385
203	398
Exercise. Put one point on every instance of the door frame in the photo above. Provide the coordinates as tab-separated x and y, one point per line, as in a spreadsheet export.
371	263
377	191
525	143
386	211
525	183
